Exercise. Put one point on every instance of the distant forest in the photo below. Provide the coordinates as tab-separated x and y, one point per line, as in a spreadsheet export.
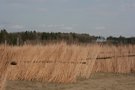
33	37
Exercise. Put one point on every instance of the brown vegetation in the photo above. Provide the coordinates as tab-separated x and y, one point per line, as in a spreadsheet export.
120	59
63	63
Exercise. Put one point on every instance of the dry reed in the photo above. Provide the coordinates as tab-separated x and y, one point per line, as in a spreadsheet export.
64	63
52	63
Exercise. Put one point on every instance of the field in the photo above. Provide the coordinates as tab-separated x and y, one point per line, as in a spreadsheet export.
98	81
62	63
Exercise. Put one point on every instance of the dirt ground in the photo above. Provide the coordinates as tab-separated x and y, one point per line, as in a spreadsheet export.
98	81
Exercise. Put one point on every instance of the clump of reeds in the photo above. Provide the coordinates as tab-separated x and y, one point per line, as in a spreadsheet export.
63	63
53	62
119	59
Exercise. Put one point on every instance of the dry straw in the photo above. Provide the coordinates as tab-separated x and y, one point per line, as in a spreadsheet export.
63	63
5	57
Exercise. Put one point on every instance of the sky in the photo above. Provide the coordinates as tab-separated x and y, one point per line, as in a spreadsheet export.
95	17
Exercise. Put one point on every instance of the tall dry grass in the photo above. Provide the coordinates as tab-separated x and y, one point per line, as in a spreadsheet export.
52	63
122	59
63	63
5	56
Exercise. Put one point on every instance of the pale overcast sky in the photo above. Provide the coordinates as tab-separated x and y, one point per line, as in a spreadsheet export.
96	17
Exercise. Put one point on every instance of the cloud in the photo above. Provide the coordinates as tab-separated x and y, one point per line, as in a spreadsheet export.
42	26
67	28
51	25
100	28
57	26
2	26
60	25
16	26
13	27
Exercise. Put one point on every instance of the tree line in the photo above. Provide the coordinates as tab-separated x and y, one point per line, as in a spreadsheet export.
33	37
121	40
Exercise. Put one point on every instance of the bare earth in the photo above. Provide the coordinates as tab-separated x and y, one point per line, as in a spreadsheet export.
99	81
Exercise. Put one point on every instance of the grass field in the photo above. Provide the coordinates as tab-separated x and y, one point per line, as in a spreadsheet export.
62	63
